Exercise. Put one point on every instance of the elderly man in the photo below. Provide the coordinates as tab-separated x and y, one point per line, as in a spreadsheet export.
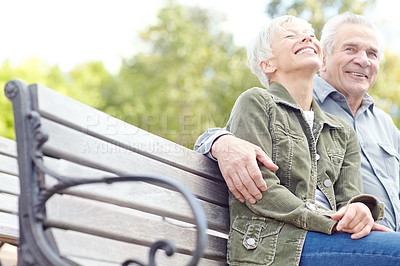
353	49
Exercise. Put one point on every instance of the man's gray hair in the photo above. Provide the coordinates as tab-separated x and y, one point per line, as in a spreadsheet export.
260	50
328	40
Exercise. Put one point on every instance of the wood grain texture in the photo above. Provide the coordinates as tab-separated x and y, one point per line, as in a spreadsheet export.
124	224
8	165
9	191
138	195
111	252
94	122
8	147
8	203
9	228
85	149
9	184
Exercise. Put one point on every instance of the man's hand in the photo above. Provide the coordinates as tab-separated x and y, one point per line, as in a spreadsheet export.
237	160
356	219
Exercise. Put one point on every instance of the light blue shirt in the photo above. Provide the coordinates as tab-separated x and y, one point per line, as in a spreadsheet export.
379	139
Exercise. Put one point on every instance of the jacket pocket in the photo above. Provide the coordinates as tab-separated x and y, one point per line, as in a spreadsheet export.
253	241
334	165
336	156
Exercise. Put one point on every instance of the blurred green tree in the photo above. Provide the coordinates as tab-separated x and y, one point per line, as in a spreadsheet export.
186	82
83	83
32	70
386	90
190	76
316	12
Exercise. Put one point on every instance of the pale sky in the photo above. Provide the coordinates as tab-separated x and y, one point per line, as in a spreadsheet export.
69	32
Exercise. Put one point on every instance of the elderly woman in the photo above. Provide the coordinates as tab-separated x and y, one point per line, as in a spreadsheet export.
318	184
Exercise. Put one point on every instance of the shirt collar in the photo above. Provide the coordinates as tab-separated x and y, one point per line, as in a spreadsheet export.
323	90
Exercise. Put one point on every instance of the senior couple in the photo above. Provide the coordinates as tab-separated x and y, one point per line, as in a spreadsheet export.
298	154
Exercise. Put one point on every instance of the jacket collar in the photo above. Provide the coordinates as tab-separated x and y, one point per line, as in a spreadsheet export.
281	96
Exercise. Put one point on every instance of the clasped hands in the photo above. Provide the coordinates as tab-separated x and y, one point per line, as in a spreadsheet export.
356	219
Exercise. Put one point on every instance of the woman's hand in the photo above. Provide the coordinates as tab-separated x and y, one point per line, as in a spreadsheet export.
356	219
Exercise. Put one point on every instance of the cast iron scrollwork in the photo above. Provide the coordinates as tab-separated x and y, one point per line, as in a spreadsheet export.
11	89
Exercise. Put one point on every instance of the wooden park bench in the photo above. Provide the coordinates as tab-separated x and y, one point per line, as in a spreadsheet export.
95	190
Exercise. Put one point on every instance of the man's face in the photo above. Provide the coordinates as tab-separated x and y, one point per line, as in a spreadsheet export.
353	66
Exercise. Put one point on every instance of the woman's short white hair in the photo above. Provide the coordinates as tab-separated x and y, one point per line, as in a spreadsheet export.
328	39
260	50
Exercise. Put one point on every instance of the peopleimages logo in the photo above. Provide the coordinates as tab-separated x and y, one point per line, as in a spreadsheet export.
159	124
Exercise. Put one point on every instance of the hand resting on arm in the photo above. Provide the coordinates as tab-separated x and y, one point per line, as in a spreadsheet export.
237	160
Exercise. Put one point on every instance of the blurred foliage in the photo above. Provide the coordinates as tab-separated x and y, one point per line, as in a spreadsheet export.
188	79
386	90
187	82
84	83
317	12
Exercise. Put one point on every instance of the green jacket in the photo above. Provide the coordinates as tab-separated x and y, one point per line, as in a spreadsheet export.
273	230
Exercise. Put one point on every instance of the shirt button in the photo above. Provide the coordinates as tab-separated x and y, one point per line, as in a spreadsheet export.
317	156
327	183
251	241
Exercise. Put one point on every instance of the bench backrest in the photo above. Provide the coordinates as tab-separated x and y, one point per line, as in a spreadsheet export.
9	191
107	224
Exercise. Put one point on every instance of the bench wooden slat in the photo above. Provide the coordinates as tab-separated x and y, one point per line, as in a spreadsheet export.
123	224
9	228
8	203
8	147
90	262
9	191
8	165
138	195
87	119
110	252
9	184
87	150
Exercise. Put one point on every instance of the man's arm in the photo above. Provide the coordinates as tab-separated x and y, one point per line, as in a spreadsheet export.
237	160
205	141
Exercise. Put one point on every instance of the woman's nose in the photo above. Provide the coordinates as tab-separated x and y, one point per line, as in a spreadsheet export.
306	38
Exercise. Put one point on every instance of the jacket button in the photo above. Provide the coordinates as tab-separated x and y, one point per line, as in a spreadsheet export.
327	182
251	241
317	156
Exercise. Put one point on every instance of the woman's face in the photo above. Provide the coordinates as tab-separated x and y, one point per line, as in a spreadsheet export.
295	48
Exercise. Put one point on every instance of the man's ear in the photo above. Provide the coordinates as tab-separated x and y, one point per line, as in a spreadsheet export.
323	67
266	67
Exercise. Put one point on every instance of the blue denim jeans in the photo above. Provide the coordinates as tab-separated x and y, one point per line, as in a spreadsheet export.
378	248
